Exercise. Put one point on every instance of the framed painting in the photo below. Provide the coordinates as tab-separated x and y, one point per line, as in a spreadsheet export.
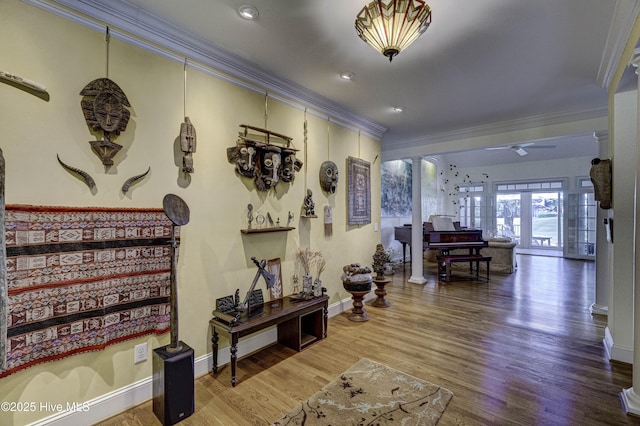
273	266
359	191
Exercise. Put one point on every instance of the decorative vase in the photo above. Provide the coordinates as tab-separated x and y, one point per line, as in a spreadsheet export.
307	284
358	290
317	287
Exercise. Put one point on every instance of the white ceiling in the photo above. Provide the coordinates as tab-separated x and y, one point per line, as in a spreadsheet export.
480	62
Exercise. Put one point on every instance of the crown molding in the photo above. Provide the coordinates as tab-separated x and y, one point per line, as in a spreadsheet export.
148	32
625	15
501	127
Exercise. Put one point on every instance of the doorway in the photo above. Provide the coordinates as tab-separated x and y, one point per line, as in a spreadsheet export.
532	214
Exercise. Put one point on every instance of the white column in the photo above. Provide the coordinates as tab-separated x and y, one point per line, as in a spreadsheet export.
417	236
603	285
631	396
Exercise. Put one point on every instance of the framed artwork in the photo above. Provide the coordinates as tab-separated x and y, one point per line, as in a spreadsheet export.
396	188
359	191
273	266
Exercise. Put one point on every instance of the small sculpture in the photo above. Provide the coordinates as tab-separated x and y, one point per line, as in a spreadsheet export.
249	215
309	206
329	177
187	144
379	259
289	219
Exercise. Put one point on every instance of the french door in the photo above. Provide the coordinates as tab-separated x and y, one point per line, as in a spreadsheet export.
531	213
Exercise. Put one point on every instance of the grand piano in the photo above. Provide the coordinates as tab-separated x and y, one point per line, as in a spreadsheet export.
442	240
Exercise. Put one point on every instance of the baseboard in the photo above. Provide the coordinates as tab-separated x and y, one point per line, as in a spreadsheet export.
127	397
616	353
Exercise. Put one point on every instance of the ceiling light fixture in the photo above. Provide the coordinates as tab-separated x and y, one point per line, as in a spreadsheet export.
347	75
398	108
390	26
248	12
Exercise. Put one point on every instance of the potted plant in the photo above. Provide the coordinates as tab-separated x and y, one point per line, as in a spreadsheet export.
388	261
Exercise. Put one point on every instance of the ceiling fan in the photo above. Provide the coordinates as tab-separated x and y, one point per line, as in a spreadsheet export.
520	148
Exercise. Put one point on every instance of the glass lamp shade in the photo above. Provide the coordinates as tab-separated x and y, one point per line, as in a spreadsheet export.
389	26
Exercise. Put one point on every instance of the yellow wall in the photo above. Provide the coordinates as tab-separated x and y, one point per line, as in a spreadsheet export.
214	256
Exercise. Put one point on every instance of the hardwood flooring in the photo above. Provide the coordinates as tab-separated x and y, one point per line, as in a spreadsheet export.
522	349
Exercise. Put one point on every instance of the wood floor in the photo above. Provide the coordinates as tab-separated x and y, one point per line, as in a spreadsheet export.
522	349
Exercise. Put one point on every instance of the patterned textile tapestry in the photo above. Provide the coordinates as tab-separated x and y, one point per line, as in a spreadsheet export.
80	279
370	393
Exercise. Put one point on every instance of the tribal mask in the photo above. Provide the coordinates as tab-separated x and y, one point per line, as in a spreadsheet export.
290	165
329	177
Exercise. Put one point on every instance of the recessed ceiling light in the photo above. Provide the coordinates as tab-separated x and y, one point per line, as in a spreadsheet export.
347	75
398	109
248	12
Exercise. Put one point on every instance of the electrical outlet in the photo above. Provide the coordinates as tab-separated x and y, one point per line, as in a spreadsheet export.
375	227
140	353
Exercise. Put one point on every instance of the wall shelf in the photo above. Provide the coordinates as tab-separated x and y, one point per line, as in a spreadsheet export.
263	230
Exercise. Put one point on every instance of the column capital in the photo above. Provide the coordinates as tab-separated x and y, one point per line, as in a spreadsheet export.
635	59
601	136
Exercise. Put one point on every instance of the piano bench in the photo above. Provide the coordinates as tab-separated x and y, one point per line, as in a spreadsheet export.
445	261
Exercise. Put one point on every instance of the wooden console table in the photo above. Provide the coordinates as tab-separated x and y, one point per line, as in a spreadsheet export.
300	323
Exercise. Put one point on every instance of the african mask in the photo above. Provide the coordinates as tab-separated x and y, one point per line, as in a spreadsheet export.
270	160
187	144
600	175
103	105
243	155
290	165
329	177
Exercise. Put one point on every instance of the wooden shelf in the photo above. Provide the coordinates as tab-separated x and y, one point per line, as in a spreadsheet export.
263	230
309	217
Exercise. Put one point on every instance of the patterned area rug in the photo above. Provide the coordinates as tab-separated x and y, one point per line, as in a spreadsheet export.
370	393
79	279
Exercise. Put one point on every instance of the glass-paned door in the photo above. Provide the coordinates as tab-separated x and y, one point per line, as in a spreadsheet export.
508	214
581	226
546	219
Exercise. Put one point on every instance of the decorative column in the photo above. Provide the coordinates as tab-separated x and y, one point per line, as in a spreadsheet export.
603	284
631	396
417	236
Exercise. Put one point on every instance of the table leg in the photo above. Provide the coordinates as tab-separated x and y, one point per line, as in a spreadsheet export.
326	317
234	357
214	350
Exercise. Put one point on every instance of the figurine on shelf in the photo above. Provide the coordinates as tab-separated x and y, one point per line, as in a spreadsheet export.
379	259
249	215
289	219
309	206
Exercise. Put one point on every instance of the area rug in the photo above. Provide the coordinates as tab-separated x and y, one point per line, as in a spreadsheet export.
79	279
370	393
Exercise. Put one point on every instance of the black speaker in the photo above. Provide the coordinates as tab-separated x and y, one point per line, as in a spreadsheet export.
173	384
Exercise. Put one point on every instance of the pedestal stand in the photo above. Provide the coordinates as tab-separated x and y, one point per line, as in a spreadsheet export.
380	301
173	384
358	290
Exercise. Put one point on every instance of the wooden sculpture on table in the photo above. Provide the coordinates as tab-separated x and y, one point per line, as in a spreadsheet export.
103	105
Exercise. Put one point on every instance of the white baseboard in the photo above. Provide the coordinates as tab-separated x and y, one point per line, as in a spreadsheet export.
127	397
616	353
